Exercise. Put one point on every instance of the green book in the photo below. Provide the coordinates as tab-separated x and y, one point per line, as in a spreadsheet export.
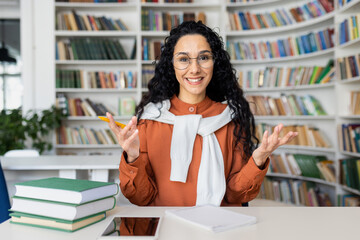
120	49
327	68
313	75
55	223
66	190
66	211
58	78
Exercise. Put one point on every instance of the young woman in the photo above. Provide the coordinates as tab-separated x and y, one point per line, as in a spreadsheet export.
193	144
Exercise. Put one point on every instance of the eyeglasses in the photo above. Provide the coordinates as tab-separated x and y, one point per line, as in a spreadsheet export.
182	61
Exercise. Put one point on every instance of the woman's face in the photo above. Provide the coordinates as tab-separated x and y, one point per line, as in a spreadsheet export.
193	65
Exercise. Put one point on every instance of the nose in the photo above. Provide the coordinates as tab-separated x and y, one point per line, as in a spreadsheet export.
194	66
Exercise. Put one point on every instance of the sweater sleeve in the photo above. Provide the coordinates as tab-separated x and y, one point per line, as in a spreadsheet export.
137	178
244	181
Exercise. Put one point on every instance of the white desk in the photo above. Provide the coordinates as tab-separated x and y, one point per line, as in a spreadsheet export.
66	166
278	223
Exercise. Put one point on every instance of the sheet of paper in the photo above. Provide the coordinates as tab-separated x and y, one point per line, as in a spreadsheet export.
212	218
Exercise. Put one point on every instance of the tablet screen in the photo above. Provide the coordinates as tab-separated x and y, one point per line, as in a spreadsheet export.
132	226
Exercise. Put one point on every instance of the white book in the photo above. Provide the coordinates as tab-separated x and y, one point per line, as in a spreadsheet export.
61	210
212	218
66	190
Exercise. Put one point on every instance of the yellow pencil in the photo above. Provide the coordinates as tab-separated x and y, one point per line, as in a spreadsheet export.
107	120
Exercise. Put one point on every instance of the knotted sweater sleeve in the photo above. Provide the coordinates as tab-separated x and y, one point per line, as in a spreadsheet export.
137	178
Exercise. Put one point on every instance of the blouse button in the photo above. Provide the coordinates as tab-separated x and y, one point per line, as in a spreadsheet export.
191	109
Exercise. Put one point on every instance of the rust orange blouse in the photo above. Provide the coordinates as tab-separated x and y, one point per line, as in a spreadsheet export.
146	181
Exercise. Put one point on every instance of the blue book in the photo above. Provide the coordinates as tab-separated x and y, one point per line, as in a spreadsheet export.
307	11
268	45
145	51
311	37
151	17
299	100
322	40
306	43
280	17
281	48
243	21
299	45
237	50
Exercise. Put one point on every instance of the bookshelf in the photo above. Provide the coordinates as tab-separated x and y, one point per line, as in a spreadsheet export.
344	86
323	92
333	95
110	96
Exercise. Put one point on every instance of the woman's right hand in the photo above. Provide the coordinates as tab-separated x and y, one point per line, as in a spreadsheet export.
128	137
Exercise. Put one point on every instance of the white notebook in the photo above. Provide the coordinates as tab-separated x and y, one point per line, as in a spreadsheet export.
212	218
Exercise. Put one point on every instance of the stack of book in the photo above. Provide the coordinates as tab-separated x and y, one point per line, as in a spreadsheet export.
61	203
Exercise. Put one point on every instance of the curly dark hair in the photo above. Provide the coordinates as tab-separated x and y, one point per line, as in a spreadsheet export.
223	85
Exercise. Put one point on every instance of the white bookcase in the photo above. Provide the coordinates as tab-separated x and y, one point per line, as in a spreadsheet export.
334	96
344	87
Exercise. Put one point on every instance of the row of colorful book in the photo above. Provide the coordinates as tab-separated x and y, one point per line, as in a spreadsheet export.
61	203
295	192
66	78
151	49
350	173
87	107
348	200
92	1
280	17
287	77
307	135
303	165
164	21
167	1
85	136
92	49
342	3
82	107
291	105
349	29
291	46
349	137
72	21
349	66
243	1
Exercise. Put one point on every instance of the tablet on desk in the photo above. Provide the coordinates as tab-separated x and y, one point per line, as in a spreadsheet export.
125	227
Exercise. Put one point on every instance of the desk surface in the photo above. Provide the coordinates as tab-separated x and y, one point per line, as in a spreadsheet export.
60	162
330	223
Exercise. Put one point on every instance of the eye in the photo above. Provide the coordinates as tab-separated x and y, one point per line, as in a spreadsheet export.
204	57
183	59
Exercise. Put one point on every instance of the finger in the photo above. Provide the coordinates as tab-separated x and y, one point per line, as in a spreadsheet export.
112	123
265	139
290	136
134	119
274	138
134	124
130	140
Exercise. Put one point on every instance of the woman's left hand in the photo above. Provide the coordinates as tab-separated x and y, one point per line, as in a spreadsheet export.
270	143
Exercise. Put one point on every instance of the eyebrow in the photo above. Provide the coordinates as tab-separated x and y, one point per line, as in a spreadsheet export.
187	53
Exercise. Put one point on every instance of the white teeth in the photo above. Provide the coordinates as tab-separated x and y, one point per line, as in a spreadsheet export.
194	80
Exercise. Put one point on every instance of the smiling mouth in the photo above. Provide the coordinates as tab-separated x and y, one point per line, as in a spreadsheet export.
194	80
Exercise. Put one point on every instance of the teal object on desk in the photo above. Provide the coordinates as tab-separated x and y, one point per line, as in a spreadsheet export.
4	198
